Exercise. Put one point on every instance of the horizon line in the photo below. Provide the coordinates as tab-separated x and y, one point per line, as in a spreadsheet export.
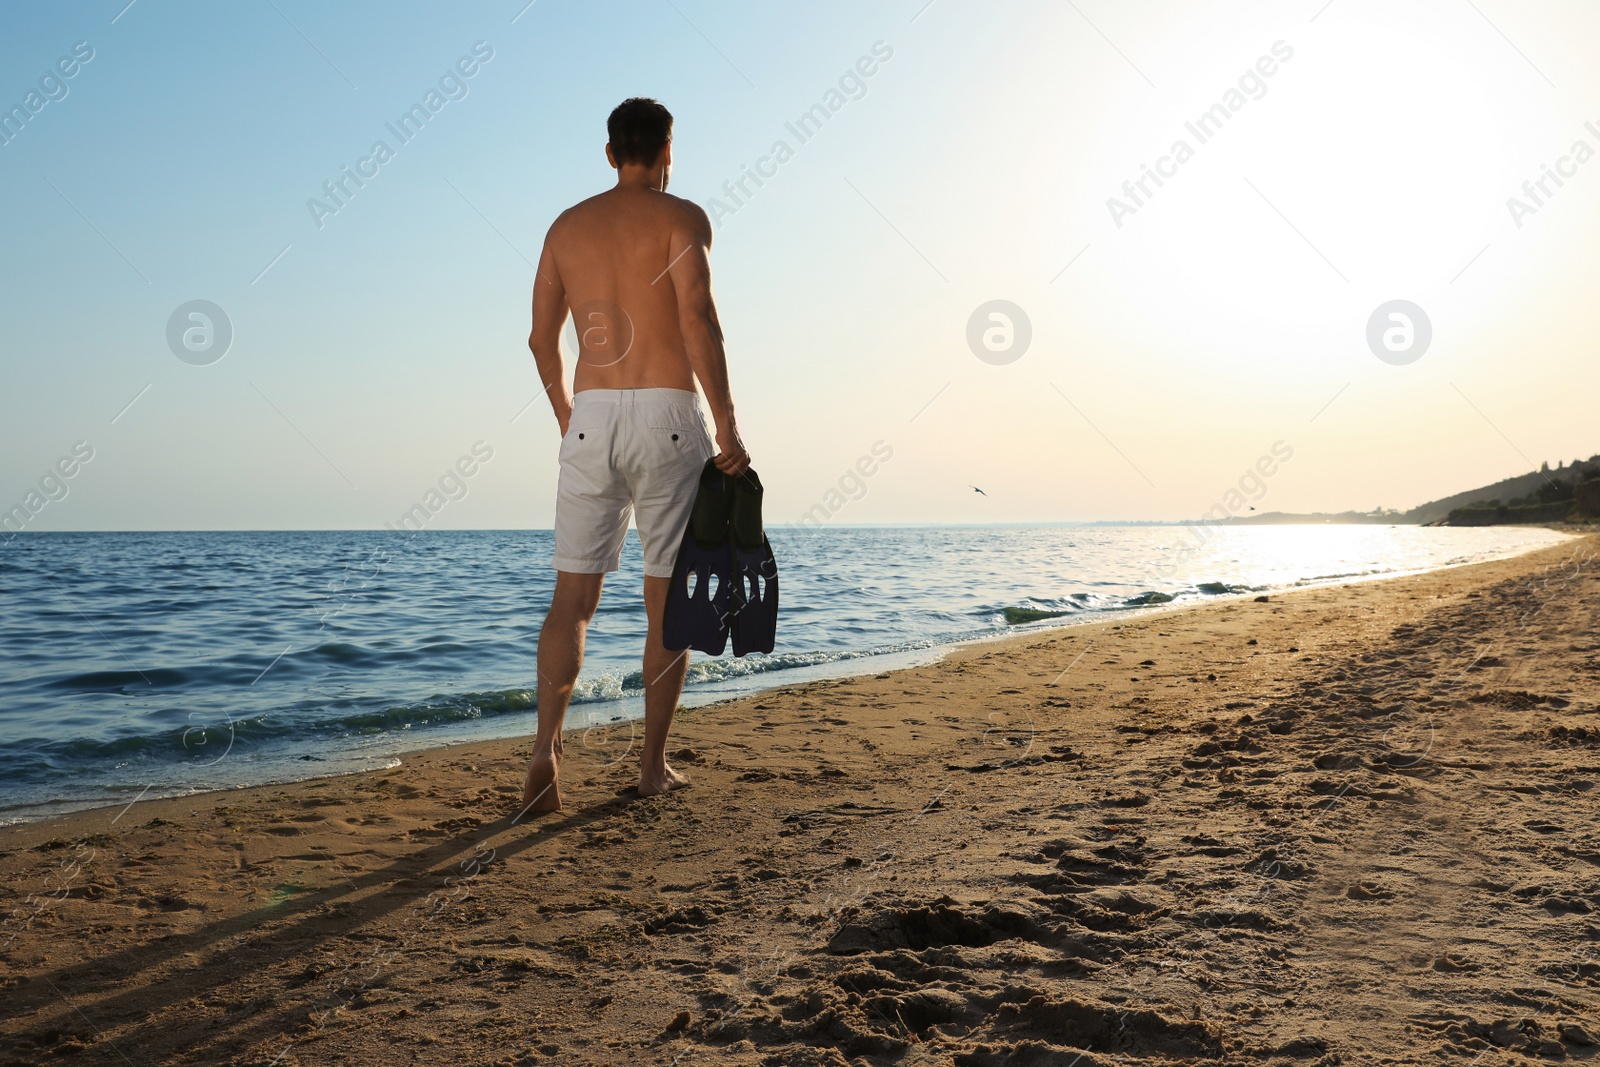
1311	519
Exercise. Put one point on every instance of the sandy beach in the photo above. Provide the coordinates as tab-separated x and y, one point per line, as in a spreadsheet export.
1351	825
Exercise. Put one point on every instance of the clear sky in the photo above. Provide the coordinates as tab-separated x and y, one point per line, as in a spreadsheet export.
1172	344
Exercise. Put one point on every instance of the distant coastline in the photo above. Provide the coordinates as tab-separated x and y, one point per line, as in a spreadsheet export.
1564	493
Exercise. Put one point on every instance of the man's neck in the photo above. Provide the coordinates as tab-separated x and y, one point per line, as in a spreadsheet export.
630	176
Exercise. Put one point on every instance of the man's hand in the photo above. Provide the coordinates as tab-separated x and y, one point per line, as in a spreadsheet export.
561	404
731	458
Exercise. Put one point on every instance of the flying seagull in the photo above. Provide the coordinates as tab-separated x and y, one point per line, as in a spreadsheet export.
975	489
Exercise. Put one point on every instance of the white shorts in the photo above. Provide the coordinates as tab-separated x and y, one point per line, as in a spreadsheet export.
628	450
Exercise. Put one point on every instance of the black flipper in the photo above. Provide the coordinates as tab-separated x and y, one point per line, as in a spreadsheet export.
755	606
699	599
726	577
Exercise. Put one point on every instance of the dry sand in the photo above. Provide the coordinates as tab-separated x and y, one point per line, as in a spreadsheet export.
1350	825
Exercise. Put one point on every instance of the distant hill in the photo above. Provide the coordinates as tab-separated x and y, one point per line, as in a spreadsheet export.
1533	497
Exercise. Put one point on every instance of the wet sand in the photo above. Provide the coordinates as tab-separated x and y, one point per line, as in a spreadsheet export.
1348	825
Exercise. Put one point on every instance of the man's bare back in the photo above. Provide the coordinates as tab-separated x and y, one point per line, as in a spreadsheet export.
610	256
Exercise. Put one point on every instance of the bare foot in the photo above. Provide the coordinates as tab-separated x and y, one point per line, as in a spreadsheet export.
654	783
539	792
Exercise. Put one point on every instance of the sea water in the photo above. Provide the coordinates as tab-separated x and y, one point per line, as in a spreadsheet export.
154	664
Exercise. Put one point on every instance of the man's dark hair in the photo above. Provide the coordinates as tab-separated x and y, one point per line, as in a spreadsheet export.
639	129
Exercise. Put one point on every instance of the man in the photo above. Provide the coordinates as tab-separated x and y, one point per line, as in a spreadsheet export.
630	265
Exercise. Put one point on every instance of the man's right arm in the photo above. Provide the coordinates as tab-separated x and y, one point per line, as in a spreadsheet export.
702	333
549	315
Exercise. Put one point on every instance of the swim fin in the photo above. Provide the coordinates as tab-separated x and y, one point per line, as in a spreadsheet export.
725	579
755	596
697	609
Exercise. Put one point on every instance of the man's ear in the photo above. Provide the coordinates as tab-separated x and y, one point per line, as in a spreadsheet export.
611	159
666	154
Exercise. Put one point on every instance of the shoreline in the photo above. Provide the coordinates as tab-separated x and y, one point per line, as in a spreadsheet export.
1355	821
628	706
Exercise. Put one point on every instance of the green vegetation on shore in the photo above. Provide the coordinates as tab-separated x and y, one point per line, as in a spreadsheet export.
1573	494
1567	492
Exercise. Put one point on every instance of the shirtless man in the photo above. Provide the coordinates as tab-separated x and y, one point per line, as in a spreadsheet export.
630	266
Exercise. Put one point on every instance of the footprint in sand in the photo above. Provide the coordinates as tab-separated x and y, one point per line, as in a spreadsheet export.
1368	891
1453	963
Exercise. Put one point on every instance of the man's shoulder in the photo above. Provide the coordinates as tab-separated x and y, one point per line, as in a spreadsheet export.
577	212
689	215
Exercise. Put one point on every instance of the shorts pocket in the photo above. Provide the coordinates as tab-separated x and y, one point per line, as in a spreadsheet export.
682	446
587	434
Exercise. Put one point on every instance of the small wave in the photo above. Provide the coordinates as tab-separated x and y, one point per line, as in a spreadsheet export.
435	712
201	742
711	671
1146	599
237	670
1017	616
157	677
616	685
1341	575
338	652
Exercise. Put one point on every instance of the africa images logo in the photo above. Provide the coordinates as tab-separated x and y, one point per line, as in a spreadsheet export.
852	85
199	332
1252	85
52	89
452	86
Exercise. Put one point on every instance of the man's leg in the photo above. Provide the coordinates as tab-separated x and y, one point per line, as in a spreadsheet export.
560	657
664	672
